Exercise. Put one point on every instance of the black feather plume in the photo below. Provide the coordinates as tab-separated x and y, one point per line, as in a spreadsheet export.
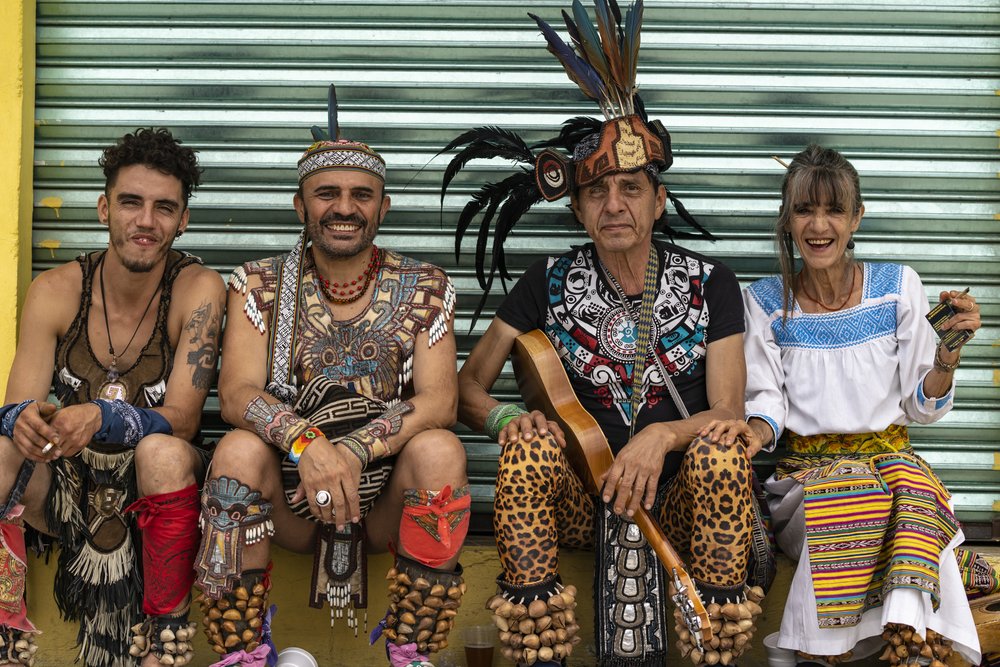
573	131
484	143
640	108
522	196
616	11
689	219
512	197
332	130
332	123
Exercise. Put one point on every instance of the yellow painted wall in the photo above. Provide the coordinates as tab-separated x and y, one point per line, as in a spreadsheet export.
17	101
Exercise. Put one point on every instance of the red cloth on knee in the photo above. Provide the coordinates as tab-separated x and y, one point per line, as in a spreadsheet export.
170	536
13	573
432	529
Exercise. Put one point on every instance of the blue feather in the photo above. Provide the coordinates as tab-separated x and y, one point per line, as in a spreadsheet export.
609	42
574	34
633	24
590	42
578	69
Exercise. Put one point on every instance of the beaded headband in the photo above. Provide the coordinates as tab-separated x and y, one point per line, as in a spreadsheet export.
340	154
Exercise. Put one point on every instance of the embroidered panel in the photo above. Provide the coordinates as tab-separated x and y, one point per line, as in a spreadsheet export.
597	337
371	354
872	319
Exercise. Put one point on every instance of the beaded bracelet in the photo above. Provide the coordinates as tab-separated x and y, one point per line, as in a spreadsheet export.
300	443
940	365
499	417
357	448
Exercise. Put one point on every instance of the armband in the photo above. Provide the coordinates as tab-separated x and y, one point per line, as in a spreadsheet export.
357	448
9	414
125	424
499	417
371	442
300	443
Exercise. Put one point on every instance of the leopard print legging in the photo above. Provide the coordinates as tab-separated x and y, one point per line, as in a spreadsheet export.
541	505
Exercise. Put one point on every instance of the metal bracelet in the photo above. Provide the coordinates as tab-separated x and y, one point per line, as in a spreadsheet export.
940	365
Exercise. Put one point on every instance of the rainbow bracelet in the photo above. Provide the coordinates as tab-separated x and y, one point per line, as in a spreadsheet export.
300	443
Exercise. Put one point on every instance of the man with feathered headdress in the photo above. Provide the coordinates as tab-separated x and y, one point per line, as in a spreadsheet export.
340	381
650	335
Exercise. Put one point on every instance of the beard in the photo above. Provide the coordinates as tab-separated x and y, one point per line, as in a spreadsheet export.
314	230
135	264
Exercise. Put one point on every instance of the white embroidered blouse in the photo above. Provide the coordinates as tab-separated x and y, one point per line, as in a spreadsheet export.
855	370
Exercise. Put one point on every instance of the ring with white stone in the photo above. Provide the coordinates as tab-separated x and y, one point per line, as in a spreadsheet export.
47	448
322	498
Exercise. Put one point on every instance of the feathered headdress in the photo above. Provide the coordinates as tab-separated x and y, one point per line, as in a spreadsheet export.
602	62
329	151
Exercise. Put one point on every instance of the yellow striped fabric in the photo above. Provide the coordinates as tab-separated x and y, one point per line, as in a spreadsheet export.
873	522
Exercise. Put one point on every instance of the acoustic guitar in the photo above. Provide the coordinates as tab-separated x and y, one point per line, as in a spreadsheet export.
546	388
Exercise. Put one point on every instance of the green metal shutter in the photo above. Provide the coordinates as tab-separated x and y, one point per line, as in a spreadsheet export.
905	88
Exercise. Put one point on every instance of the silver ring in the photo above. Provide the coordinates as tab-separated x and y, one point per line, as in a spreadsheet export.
322	498
47	448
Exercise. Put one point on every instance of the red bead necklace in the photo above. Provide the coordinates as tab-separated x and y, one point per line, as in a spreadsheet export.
350	291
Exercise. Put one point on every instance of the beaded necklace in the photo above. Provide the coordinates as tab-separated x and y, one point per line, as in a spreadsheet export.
350	291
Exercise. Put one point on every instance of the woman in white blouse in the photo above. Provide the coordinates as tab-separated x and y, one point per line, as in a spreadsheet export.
841	358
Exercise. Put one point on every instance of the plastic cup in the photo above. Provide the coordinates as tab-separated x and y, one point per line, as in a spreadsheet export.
778	657
479	645
296	657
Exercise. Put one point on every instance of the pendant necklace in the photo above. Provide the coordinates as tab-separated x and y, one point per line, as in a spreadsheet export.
115	388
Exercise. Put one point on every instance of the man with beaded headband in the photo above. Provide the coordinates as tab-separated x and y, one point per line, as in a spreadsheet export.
341	383
132	335
650	335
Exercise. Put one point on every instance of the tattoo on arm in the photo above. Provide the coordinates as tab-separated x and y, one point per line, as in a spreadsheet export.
373	437
203	328
275	424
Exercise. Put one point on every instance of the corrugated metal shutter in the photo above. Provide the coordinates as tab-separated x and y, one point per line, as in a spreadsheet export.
906	88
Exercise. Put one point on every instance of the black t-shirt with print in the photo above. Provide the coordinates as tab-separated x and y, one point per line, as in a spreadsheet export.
568	297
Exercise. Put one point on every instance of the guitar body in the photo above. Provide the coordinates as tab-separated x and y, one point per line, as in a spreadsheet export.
545	387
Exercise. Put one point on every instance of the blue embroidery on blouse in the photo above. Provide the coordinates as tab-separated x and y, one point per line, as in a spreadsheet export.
882	280
847	328
767	293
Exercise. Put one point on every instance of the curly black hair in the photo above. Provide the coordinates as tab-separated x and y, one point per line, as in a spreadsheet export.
154	147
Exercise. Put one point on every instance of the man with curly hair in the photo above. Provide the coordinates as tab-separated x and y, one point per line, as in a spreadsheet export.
112	462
